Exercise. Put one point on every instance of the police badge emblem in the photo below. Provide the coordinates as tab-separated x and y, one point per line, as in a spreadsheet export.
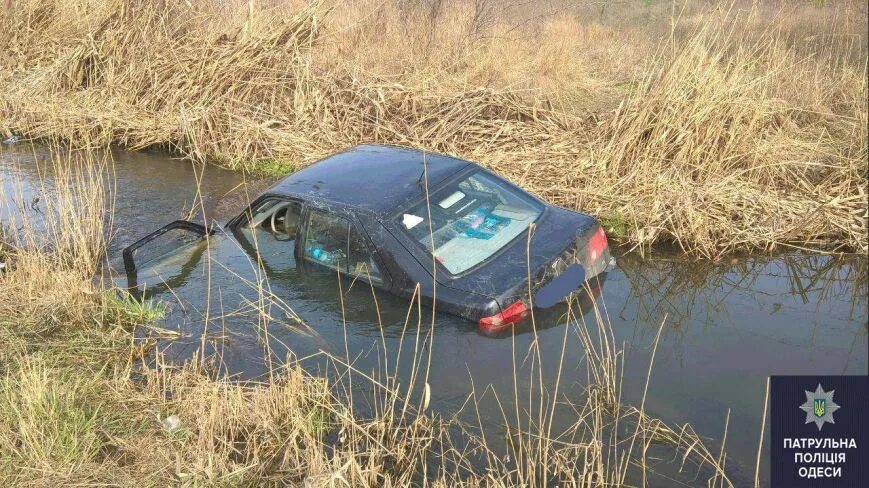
819	406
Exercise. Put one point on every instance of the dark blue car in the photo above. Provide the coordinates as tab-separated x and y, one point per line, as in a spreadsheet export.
401	218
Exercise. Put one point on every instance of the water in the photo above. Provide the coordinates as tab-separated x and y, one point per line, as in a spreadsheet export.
727	325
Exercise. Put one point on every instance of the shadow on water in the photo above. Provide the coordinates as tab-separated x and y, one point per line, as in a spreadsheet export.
728	325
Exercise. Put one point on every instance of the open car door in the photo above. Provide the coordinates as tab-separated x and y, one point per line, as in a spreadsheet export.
165	257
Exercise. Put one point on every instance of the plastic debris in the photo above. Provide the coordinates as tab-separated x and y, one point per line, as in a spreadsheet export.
11	140
317	480
171	424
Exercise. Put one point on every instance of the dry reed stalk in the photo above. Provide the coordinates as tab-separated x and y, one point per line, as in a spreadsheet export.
54	246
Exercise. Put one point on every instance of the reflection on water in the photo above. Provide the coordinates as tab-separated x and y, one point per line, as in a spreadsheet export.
728	325
823	292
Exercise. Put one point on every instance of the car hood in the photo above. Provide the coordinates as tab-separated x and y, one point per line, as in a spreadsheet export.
556	230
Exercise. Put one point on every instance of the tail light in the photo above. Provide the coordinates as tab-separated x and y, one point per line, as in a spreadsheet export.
508	316
597	245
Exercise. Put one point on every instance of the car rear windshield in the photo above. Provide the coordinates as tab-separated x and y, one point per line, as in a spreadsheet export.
470	220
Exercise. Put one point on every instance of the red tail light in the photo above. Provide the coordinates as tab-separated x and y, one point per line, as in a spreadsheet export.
508	316
597	245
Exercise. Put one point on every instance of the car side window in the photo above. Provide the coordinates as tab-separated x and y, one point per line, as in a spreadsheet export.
279	217
335	242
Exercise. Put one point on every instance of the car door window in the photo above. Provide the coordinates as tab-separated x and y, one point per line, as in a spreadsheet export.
164	258
279	217
270	232
335	242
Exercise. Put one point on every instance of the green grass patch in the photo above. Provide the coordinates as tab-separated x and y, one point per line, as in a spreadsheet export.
129	310
615	225
273	167
49	418
627	86
320	421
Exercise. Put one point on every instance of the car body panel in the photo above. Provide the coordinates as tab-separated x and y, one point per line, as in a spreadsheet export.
353	177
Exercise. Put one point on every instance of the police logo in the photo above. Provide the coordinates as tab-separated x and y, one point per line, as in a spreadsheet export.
819	407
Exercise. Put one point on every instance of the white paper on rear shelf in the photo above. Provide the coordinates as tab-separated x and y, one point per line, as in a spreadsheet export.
512	212
411	221
451	200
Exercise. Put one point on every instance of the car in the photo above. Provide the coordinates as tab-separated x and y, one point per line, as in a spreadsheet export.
415	223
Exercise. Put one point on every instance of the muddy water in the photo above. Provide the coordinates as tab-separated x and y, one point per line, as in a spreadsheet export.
727	325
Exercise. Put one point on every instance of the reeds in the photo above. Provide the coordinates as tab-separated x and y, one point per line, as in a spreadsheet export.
732	135
712	127
717	128
53	247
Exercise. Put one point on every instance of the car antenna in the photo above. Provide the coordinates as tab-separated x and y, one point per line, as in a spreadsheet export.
419	181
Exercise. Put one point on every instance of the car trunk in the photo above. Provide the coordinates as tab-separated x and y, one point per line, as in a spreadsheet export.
560	238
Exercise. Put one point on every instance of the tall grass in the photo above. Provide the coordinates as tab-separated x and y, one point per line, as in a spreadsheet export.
713	130
717	126
53	247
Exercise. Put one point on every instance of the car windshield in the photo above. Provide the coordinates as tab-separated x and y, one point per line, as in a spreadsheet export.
470	220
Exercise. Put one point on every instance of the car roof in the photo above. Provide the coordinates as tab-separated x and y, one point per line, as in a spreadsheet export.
373	177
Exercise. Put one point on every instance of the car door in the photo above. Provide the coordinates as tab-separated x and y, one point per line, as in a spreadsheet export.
165	257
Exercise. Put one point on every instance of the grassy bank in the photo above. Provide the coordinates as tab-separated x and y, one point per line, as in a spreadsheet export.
713	125
84	400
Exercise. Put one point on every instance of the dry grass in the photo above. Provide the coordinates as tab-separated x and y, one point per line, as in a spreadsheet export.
717	126
53	250
726	161
98	421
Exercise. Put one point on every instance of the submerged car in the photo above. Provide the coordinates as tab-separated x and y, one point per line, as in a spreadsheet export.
401	219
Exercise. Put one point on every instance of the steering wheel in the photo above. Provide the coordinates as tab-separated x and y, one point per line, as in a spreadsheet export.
278	208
